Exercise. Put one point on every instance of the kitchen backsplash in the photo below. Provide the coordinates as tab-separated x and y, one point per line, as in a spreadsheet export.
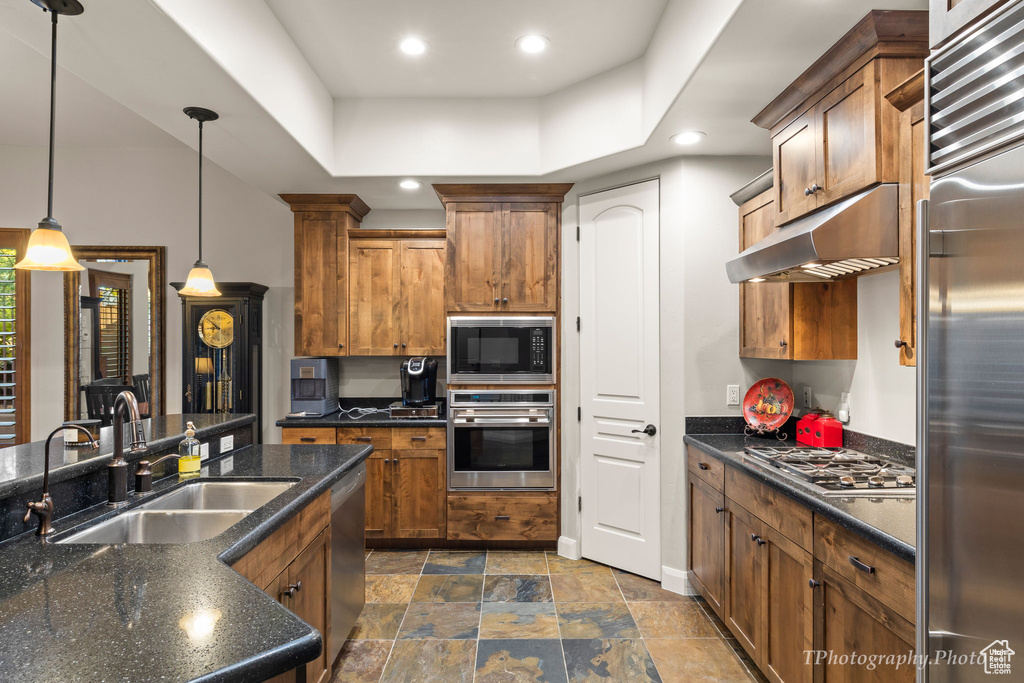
379	377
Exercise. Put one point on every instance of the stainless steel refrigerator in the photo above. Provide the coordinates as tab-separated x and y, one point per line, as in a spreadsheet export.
971	376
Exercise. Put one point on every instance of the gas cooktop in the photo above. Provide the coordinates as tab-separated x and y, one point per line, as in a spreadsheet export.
838	471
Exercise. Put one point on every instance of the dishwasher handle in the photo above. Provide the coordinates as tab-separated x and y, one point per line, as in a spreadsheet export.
347	485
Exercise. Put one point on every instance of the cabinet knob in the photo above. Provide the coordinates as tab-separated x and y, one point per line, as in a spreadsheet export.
703	466
782	342
387	460
341	346
292	589
496	299
815	187
395	345
813	584
807	192
505	300
900	343
403	345
761	541
719	510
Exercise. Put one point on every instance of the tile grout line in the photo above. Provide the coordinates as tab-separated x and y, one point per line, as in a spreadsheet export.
558	620
408	604
643	638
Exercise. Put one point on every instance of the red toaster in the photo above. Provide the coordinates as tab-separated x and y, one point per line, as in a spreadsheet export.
820	429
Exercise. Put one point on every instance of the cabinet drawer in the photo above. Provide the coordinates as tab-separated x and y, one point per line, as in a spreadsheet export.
378	437
308	435
776	509
878	572
701	465
430	438
497	517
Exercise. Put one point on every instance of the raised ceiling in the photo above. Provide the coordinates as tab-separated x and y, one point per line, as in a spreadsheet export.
351	44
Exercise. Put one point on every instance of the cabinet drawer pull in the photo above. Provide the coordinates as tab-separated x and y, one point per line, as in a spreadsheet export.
719	510
813	584
292	589
419	438
307	439
502	518
703	466
363	438
866	568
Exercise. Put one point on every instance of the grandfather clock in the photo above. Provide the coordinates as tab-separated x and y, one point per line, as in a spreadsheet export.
222	350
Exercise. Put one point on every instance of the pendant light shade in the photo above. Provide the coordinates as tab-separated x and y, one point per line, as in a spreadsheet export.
48	247
200	279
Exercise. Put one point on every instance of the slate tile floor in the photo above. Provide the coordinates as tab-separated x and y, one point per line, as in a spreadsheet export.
514	616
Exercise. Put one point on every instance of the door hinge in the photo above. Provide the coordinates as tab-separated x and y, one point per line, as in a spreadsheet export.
577	233
577	323
579	504
579	414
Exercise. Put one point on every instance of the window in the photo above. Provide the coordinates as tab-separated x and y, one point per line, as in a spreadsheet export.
115	343
15	425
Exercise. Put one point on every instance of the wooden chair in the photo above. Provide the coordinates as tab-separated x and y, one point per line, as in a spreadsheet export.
142	390
99	401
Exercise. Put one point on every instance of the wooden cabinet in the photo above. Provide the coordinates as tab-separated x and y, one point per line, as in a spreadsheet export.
792	320
406	481
503	516
396	296
503	243
915	185
293	565
322	222
308	435
785	581
948	18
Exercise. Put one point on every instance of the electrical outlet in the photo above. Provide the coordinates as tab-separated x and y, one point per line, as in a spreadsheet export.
204	451
732	394
227	443
844	398
227	465
808	397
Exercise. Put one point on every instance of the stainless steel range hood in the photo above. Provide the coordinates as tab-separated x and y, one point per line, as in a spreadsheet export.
855	236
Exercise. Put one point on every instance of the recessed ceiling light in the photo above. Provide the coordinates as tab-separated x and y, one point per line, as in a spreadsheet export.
410	184
412	46
688	137
532	44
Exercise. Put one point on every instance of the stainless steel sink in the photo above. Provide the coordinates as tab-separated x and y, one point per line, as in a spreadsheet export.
159	526
220	495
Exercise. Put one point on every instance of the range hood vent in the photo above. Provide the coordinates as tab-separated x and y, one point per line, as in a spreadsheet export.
857	235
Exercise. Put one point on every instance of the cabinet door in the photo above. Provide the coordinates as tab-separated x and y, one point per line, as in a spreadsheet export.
373	298
422	297
707	541
851	620
310	575
765	307
914	186
418	494
320	293
789	610
474	256
795	160
278	590
378	495
744	594
530	258
847	137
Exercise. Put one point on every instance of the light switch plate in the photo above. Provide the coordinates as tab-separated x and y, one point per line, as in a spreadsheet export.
808	397
732	394
227	443
204	451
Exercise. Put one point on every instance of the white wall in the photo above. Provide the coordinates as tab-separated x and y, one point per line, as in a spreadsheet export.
147	196
882	392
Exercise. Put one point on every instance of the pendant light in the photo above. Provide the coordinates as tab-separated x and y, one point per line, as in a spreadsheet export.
48	248
200	279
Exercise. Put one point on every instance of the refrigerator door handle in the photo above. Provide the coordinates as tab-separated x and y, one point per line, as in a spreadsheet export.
923	296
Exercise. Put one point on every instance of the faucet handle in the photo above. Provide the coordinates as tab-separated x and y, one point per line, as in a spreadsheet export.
137	437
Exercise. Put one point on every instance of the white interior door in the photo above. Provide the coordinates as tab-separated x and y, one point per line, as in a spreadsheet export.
619	378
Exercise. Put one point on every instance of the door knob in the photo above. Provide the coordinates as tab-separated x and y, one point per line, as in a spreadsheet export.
649	430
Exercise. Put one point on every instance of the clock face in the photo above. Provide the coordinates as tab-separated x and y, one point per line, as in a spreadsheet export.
217	328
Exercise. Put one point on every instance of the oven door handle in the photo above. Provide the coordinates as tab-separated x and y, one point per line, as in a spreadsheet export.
502	419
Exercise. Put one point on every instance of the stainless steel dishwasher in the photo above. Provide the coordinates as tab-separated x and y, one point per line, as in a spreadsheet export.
348	557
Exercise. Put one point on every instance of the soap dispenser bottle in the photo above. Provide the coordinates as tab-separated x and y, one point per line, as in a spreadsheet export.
188	453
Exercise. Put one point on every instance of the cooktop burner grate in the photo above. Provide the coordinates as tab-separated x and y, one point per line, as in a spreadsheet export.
838	471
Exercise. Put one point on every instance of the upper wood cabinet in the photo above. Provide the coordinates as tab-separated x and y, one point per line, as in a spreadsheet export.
833	132
915	185
503	247
396	296
792	321
322	222
949	18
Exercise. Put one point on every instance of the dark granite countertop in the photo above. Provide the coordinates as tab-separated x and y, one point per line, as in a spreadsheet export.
21	467
352	419
103	613
889	522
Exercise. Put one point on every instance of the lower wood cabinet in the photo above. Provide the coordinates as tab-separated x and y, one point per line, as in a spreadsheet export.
786	582
503	516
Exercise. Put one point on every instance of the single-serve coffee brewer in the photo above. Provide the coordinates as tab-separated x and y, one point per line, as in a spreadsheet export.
419	382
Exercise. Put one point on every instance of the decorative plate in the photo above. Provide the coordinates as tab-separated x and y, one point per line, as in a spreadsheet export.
768	404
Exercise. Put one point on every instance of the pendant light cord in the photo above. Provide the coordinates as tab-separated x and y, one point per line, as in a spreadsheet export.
200	190
53	107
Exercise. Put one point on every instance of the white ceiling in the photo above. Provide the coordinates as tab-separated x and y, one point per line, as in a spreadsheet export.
129	67
351	44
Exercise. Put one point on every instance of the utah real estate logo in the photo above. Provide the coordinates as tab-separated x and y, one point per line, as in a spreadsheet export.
996	657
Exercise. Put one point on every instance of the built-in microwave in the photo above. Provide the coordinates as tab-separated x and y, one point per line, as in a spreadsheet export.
501	350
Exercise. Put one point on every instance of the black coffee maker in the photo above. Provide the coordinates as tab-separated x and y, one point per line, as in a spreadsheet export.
419	381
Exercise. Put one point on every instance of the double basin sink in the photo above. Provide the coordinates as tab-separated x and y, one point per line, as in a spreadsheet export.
195	512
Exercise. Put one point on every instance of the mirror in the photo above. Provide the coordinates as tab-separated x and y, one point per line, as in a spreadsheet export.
114	314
